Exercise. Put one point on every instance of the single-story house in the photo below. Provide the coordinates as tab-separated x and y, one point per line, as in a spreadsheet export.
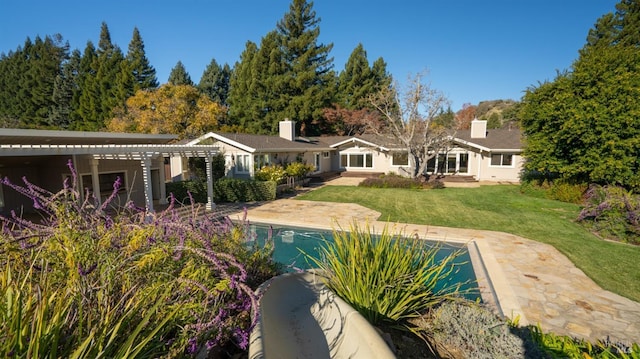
139	160
486	155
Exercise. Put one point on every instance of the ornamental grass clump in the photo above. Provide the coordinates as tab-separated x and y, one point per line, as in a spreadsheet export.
389	278
99	282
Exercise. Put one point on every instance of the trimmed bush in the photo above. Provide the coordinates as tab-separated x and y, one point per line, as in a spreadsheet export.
274	173
396	181
225	190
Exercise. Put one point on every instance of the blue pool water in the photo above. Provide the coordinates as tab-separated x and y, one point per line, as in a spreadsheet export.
291	242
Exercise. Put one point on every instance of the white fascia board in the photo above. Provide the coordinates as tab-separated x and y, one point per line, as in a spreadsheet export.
104	151
354	139
232	142
475	145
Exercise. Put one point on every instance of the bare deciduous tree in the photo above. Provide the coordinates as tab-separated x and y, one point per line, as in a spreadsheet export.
408	115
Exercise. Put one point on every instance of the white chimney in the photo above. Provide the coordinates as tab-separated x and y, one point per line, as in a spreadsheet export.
478	128
288	129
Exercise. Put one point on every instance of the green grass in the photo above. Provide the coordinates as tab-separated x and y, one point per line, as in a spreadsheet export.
614	266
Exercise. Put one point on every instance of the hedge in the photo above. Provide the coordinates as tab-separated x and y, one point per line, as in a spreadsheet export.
224	190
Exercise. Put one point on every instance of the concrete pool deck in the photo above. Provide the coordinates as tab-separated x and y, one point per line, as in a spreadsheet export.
528	279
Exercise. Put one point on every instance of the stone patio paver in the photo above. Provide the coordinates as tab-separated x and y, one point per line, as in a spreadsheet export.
530	279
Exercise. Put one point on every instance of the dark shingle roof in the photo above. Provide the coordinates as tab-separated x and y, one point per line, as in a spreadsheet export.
268	142
496	139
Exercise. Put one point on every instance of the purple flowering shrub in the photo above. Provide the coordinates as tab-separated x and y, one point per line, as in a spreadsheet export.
188	276
613	213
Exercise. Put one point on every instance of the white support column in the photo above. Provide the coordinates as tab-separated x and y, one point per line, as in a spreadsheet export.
163	187
210	205
146	178
95	180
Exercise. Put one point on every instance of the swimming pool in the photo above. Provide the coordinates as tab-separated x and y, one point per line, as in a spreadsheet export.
290	243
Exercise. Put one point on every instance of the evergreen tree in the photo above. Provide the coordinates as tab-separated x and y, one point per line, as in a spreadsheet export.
215	82
355	82
144	74
583	127
106	84
381	77
179	75
85	100
622	28
240	86
304	85
64	88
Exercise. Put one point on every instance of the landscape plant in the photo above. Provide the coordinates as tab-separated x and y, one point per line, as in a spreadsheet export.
388	278
95	281
613	213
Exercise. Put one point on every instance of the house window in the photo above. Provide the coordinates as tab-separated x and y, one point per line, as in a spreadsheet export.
243	164
464	163
357	160
400	159
325	154
502	160
261	161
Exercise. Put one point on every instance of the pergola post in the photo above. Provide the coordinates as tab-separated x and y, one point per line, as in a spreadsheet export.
208	160
146	178
95	180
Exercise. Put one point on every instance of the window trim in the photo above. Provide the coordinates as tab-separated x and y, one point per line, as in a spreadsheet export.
393	159
364	155
502	156
246	164
108	188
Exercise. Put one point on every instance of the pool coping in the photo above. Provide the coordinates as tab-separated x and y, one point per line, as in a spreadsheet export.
494	288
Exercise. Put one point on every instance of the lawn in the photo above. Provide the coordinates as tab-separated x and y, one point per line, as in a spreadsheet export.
614	266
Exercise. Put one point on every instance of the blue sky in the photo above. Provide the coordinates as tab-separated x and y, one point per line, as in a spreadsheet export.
472	50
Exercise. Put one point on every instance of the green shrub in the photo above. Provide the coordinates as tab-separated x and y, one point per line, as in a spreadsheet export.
299	169
562	346
387	278
183	191
240	190
612	212
225	190
473	331
396	181
274	173
566	192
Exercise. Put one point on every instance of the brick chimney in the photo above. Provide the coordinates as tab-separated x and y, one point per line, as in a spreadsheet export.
478	128
288	129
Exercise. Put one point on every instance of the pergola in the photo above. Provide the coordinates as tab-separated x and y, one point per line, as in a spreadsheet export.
16	143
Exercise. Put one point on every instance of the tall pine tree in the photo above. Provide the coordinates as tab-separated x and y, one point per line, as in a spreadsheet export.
215	82
304	85
179	75
143	73
240	84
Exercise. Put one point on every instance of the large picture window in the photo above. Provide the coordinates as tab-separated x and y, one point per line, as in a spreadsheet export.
502	160
105	181
356	160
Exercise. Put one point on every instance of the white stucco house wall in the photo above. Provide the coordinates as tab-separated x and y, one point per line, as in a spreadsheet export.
486	155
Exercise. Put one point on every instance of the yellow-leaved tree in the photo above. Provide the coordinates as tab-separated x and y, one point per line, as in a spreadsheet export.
170	109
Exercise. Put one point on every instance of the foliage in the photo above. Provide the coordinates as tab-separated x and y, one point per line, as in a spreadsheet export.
503	208
240	190
465	115
299	169
215	82
393	180
170	109
387	278
134	284
408	120
613	213
584	127
468	330
289	76
562	346
275	173
567	192
345	122
179	76
144	74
